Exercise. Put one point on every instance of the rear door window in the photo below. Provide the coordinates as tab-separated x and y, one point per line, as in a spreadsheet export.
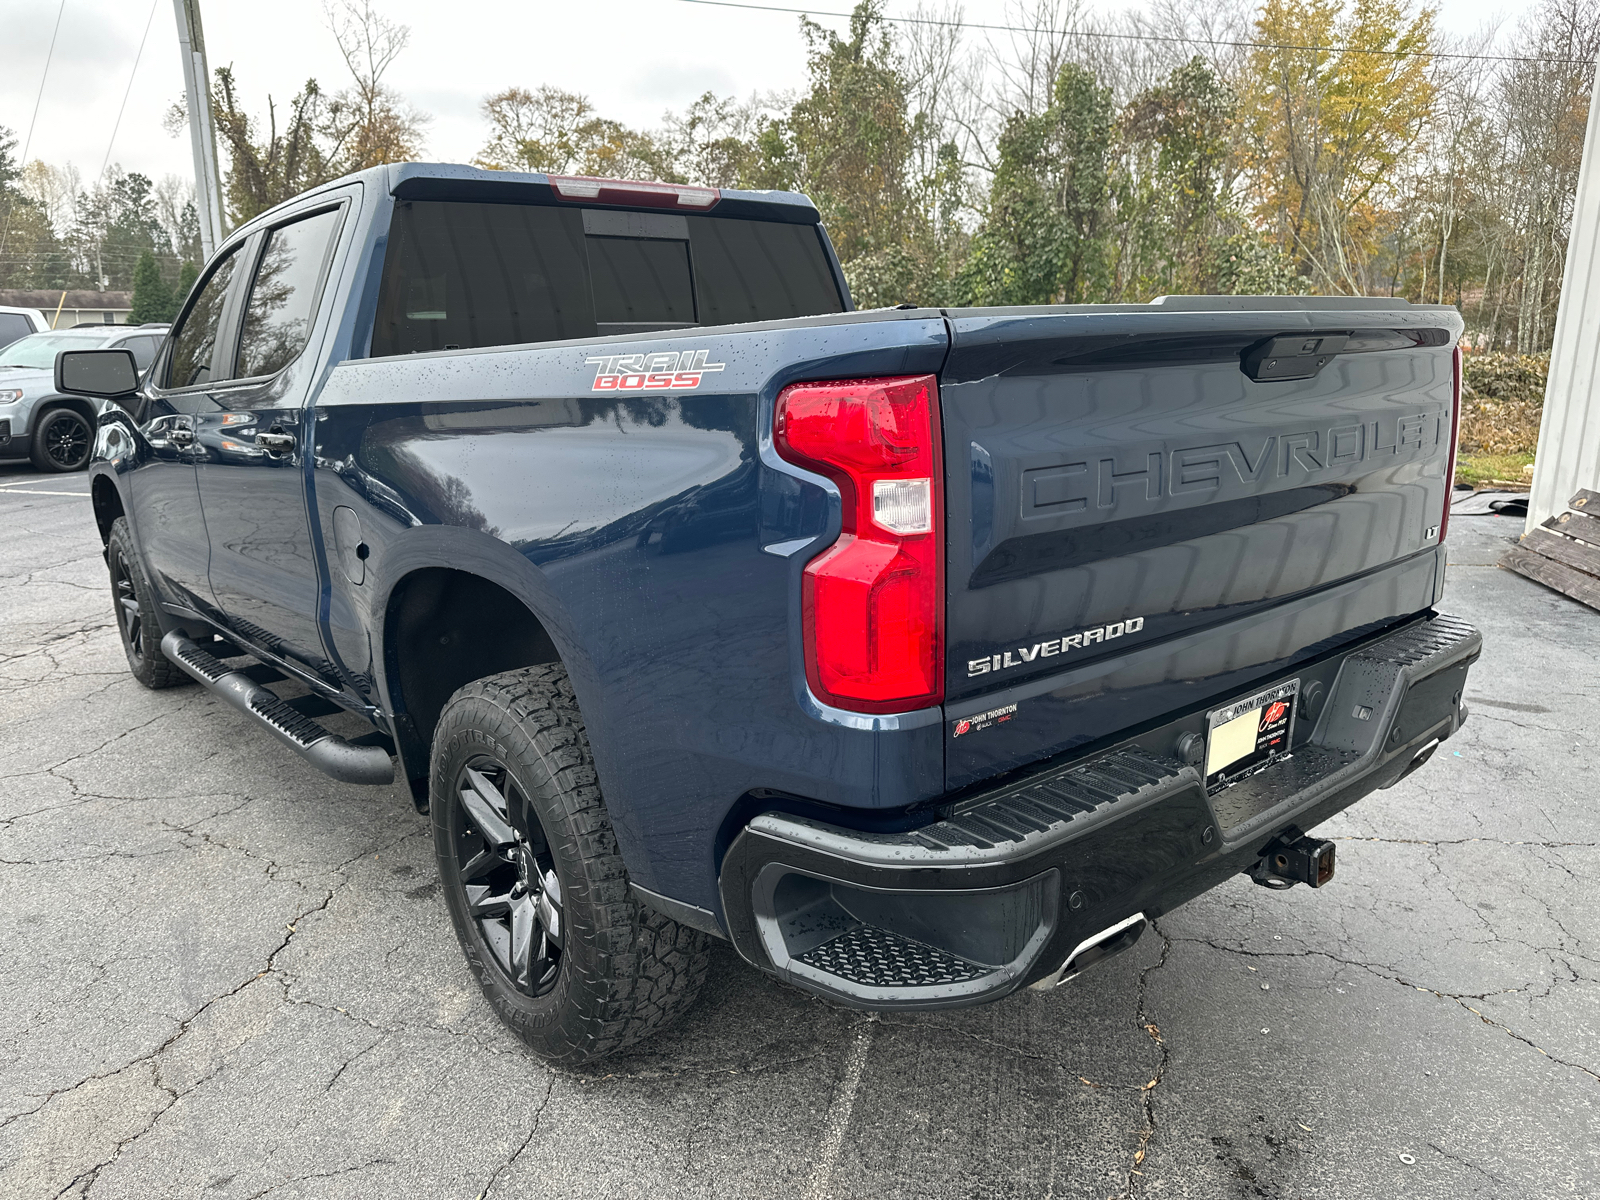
460	275
283	295
144	350
195	343
13	326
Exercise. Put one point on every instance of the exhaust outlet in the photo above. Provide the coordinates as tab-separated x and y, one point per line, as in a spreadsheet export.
1114	939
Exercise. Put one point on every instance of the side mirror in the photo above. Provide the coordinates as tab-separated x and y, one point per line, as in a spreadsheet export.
103	374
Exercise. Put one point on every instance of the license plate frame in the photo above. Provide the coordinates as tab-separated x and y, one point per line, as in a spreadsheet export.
1233	751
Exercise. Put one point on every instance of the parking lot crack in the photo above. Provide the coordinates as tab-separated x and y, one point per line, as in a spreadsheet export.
1148	1090
1456	1158
1356	837
966	1033
337	1174
346	1065
1459	998
533	1129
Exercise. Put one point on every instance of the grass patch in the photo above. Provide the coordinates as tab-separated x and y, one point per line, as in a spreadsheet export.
1482	470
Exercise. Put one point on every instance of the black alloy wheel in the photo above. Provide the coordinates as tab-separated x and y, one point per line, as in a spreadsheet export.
134	608
63	441
129	612
533	879
509	876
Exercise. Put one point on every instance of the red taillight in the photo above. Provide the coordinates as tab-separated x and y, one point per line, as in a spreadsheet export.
1455	439
632	192
873	603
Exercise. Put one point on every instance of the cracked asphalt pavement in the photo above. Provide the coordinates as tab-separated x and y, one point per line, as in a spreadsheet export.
223	975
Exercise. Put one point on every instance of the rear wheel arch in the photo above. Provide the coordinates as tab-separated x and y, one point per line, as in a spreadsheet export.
443	628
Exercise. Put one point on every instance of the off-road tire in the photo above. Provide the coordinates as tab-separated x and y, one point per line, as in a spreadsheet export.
140	632
63	440
625	970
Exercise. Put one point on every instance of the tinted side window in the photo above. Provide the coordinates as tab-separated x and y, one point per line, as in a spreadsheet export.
465	275
13	326
283	296
196	338
144	350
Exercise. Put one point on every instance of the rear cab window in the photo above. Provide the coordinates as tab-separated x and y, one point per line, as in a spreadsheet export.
466	274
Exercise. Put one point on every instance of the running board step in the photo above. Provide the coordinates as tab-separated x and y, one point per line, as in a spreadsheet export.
324	750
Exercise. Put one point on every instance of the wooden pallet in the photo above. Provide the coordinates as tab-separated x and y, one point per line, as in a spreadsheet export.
1564	552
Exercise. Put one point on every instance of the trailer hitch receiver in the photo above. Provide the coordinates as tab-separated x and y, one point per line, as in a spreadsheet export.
1292	858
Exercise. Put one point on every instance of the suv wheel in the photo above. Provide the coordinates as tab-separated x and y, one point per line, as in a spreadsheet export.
535	885
62	440
135	612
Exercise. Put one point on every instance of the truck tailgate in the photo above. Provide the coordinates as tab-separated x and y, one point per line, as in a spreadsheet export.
1137	521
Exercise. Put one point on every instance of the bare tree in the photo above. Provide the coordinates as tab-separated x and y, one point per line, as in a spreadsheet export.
369	122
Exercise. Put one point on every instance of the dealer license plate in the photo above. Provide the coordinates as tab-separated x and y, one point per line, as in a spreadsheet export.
1249	735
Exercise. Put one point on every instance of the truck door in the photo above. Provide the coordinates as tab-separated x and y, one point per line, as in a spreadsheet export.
251	452
163	498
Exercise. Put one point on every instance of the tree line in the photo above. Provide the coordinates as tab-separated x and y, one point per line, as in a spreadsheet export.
1284	146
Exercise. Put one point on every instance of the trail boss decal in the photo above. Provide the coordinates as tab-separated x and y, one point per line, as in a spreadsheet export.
1024	655
663	371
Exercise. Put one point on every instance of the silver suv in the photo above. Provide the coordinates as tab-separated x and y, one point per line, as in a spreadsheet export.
56	431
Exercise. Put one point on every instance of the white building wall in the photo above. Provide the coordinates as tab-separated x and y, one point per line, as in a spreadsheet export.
1569	432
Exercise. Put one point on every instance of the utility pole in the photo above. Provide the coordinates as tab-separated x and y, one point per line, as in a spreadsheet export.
202	135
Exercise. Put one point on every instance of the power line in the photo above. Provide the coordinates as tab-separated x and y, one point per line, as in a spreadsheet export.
49	54
1153	37
128	90
27	143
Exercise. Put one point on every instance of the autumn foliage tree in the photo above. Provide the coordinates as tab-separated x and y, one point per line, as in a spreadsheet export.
1327	127
322	135
1259	146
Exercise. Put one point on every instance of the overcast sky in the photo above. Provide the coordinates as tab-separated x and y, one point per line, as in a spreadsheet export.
633	58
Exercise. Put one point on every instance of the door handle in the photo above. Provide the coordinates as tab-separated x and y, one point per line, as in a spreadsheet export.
180	435
275	443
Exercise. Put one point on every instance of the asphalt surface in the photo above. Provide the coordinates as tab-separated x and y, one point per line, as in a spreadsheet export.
223	975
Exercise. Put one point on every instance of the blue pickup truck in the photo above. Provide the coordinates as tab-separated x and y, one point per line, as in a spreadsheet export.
924	655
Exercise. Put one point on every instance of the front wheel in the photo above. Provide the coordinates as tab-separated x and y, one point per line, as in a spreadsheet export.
62	440
534	882
135	609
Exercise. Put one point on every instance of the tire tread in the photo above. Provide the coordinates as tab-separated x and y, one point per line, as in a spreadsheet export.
159	671
648	969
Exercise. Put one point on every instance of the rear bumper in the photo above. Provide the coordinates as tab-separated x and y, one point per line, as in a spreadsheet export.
996	893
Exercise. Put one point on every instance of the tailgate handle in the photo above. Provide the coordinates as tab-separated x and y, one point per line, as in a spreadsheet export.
1291	356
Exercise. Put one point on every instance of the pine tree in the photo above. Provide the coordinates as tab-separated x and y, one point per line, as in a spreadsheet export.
187	274
152	300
